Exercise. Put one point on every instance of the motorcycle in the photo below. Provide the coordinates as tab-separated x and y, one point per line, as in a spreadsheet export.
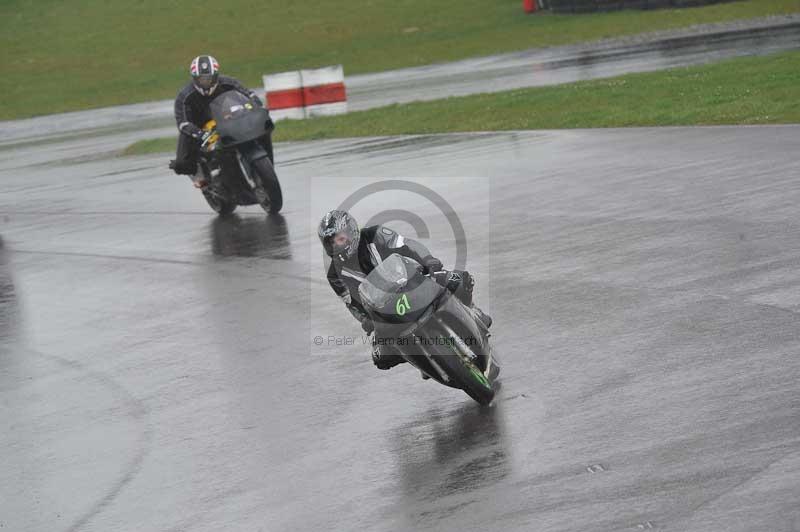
432	329
233	162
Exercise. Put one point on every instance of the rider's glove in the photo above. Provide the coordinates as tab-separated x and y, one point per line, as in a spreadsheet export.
367	325
432	264
361	316
187	128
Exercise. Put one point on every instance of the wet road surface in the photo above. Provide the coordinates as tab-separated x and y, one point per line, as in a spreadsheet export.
530	68
566	64
157	368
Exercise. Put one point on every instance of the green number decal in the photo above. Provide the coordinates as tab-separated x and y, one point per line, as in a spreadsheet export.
402	305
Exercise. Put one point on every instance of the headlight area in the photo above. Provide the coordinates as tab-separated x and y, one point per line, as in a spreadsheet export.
418	323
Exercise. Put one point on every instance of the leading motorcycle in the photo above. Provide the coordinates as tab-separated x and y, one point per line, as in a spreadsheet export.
430	327
234	162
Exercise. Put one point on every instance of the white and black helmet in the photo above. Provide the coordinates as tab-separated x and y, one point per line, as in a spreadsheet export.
339	223
205	74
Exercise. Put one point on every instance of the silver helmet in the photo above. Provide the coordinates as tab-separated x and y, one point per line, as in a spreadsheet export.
339	234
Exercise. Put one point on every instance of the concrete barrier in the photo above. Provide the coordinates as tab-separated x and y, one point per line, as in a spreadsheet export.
306	93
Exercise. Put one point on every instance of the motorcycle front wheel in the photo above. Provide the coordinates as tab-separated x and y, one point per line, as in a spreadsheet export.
269	181
219	204
467	375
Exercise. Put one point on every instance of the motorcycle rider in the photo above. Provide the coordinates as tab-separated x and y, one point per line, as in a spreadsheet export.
192	112
355	253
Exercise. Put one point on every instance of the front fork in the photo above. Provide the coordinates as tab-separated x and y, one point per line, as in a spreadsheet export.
246	155
244	166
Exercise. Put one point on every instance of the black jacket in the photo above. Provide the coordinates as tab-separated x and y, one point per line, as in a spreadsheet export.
191	107
376	244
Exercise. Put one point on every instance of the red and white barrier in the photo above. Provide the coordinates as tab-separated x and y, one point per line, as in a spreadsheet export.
284	93
307	93
323	91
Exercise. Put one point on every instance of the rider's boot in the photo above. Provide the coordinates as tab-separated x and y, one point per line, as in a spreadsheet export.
385	357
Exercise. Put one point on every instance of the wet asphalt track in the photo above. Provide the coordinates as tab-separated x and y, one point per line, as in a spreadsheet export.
157	370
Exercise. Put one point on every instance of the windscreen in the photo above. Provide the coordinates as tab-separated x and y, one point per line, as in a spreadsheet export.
230	105
387	280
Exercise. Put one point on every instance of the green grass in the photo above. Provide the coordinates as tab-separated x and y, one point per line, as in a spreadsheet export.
63	55
751	90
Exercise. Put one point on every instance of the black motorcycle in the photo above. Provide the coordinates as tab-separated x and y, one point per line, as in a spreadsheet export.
430	327
233	159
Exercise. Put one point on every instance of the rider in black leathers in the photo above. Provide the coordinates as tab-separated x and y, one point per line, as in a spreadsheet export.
355	254
192	111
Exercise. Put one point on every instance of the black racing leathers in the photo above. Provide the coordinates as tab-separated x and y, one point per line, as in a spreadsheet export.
376	244
191	107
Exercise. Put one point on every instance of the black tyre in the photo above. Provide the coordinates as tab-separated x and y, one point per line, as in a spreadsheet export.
215	198
269	181
219	204
470	378
494	368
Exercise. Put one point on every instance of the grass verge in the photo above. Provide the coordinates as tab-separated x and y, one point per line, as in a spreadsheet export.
751	90
63	56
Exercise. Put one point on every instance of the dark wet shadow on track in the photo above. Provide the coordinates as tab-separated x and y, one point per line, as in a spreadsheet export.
8	302
451	451
238	236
